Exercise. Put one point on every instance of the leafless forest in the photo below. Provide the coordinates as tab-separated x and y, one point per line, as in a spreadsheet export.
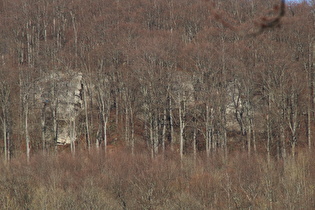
157	104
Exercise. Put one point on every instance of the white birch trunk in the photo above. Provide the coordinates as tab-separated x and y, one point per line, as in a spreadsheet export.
27	137
126	125
104	112
72	135
248	136
171	123
86	118
208	142
181	129
28	39
5	94
55	114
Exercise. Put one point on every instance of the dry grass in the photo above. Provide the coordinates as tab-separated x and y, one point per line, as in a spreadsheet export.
123	181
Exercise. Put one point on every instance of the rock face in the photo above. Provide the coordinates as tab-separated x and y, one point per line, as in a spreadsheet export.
60	96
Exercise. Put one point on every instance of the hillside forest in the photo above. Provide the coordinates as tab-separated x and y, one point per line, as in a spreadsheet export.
185	104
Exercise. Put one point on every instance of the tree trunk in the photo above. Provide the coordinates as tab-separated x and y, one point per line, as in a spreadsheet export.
5	95
309	134
151	134
72	135
195	143
75	31
181	128
223	103
269	131
156	133
5	142
103	112
310	83
224	132
116	110
313	77
293	144
127	124
132	143
27	137
105	118
87	136
171	122
248	136
55	124
252	125
293	121
8	146
268	138
55	114
43	124
164	130
282	141
208	131
28	39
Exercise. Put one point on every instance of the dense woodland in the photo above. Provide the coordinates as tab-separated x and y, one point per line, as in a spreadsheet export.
185	104
189	76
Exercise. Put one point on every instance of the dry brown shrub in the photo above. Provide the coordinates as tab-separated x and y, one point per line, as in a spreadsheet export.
124	181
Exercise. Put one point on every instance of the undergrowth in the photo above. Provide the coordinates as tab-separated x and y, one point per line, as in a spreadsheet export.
124	181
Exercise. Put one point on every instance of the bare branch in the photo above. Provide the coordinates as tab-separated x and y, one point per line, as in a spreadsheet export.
265	23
